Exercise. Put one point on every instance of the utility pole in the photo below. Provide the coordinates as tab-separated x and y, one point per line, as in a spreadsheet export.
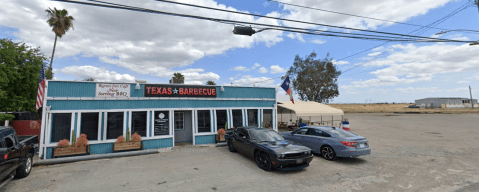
472	101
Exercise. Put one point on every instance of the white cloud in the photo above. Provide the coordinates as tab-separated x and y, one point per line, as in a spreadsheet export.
240	68
298	36
248	80
87	71
412	90
398	10
256	65
262	70
340	62
462	82
277	69
374	54
318	41
142	42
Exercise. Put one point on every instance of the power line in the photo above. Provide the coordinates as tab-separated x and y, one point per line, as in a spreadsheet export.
125	7
364	17
302	22
421	30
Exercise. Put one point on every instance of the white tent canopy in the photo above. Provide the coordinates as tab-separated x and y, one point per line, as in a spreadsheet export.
310	108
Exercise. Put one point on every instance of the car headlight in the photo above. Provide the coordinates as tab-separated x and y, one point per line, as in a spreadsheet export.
280	156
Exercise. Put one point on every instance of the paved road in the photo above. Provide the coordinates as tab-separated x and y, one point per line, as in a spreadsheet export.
410	153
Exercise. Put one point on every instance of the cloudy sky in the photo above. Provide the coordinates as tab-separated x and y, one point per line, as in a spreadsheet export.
121	46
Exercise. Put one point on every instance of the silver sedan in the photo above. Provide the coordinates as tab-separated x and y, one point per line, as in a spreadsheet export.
330	142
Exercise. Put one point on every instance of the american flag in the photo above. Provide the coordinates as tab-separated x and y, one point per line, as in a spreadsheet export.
41	89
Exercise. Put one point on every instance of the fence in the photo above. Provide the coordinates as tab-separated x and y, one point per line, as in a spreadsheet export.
27	127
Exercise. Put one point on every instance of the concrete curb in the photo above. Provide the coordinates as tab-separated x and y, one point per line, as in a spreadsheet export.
92	157
221	144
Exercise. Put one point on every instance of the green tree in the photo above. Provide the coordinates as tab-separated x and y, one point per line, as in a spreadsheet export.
178	75
19	75
89	79
314	79
210	83
60	22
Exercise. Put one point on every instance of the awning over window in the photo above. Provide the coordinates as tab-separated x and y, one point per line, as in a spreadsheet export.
310	108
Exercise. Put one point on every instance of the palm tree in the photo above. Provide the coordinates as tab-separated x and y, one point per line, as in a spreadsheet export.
210	82
178	75
60	22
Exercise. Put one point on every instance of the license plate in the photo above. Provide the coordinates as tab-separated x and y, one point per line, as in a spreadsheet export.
298	161
361	145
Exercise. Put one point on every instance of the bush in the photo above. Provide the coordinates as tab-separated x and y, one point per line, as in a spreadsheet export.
120	139
135	138
82	141
4	116
221	131
63	144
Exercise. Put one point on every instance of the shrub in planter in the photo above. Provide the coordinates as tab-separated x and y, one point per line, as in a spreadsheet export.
221	135
63	144
82	141
120	139
135	137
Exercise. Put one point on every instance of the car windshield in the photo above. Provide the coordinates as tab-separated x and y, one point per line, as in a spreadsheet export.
266	135
343	133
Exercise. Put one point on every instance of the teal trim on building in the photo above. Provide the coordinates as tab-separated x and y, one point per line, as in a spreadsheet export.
205	139
134	92
246	92
147	104
157	143
127	121
71	89
101	148
149	124
49	153
214	121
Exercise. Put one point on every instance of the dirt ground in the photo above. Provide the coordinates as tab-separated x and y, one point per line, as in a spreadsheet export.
410	152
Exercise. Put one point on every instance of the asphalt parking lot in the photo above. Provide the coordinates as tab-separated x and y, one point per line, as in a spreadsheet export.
410	152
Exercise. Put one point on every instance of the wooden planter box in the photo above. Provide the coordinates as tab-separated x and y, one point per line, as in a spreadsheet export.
220	138
59	152
126	146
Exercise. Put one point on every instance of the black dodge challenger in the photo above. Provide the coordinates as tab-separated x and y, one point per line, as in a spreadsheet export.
269	149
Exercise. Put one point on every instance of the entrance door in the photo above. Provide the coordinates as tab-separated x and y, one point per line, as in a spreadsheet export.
182	126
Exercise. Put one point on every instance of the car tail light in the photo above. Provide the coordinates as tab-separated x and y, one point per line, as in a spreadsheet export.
5	156
349	144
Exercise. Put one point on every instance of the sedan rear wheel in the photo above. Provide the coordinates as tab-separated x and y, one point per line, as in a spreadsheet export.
328	153
263	161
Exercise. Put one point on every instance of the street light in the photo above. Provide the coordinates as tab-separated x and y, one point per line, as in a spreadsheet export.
245	30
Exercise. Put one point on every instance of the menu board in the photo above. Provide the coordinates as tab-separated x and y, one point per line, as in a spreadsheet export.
162	125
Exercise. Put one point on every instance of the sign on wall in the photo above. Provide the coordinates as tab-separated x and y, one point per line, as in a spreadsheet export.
179	91
161	125
112	90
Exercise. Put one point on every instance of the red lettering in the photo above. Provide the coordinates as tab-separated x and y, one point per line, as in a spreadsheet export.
209	91
165	91
200	91
213	91
153	90
181	91
185	92
148	90
169	90
196	91
158	90
190	91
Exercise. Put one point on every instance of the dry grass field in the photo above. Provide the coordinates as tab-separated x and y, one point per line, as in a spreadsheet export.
391	108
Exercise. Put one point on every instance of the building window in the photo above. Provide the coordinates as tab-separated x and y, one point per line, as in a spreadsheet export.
179	121
114	127
89	125
162	123
253	117
61	126
204	121
237	118
138	123
267	118
221	119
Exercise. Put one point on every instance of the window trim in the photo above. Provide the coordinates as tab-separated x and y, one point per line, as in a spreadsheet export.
48	140
99	127
131	120
106	125
174	121
242	117
197	123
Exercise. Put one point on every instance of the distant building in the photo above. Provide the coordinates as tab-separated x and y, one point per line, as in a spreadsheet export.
445	102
